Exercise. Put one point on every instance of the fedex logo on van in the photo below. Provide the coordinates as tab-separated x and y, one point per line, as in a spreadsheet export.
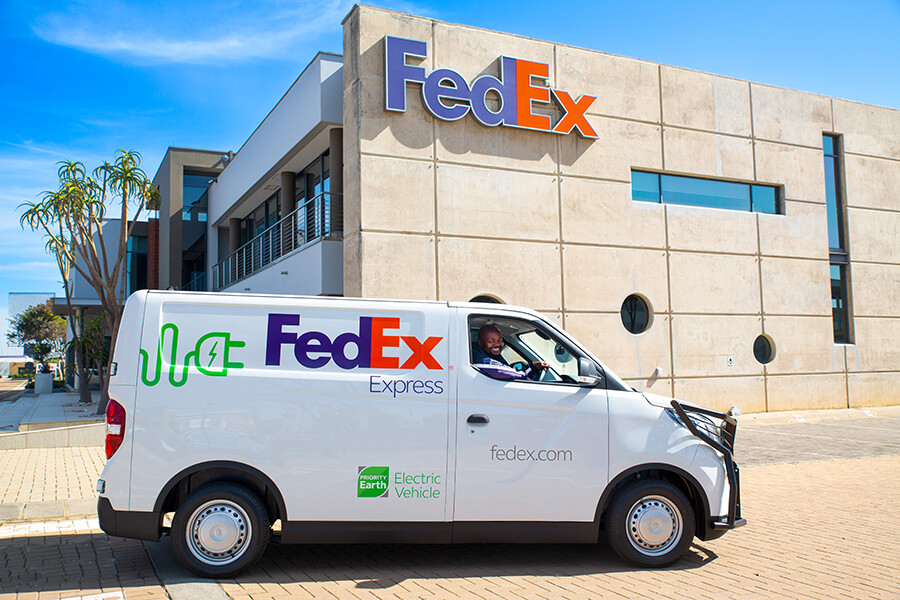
447	96
314	349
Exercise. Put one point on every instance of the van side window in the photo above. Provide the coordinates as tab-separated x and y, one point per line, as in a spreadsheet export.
518	349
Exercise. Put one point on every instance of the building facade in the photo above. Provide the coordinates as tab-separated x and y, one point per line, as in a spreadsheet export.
722	241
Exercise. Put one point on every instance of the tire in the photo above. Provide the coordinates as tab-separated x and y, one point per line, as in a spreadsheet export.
650	523
220	530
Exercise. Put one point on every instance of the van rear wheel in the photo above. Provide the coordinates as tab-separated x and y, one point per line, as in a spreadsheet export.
220	530
650	523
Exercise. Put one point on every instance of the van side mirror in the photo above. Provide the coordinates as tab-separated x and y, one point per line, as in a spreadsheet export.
588	373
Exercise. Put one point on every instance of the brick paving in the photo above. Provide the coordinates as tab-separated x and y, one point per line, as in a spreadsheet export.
49	474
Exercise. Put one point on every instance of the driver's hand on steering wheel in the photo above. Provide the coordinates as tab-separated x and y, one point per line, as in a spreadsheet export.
540	364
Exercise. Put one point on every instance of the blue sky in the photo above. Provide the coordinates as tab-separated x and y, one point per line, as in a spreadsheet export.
83	79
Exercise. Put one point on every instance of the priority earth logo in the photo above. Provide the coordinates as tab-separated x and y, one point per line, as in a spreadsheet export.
373	482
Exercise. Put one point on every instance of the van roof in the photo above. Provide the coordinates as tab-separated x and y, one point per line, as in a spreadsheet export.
243	295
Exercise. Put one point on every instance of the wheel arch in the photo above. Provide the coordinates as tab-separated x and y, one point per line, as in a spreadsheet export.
686	482
192	478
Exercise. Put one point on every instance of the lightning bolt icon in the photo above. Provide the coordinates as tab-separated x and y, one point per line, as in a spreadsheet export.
212	354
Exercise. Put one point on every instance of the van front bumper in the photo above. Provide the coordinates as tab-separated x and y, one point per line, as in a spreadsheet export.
128	523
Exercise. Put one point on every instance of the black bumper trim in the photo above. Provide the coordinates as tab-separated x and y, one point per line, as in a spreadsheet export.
128	523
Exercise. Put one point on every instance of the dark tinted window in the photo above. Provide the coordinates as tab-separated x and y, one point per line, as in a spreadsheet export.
635	314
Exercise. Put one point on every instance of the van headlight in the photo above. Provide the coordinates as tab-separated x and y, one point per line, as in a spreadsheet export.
701	422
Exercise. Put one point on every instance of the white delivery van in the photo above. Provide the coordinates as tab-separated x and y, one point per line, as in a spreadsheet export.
237	419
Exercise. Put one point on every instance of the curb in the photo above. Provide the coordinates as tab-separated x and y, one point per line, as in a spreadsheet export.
817	416
75	436
59	509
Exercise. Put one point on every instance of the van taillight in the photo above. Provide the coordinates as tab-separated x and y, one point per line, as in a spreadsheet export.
115	427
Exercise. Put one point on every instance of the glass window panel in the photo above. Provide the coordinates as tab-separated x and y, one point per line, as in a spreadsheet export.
831	203
839	303
644	186
764	199
828	144
705	192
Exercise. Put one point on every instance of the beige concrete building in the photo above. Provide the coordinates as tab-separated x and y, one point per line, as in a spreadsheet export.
722	241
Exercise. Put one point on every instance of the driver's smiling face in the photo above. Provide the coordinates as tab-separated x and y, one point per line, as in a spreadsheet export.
492	343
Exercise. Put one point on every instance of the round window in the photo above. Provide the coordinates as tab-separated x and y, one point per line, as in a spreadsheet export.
764	349
485	300
636	314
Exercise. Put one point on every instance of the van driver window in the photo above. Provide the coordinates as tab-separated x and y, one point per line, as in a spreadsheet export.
516	349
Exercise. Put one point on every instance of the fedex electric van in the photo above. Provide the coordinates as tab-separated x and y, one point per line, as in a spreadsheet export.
237	419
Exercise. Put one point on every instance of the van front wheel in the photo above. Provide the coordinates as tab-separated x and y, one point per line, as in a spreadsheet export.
220	530
650	523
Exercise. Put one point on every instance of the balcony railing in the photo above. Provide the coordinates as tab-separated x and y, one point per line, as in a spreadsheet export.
319	217
197	284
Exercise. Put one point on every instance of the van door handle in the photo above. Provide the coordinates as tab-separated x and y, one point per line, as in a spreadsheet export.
478	420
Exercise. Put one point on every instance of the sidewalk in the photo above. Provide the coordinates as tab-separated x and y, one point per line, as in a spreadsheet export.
47	411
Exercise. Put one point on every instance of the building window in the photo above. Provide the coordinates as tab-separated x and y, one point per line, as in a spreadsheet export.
763	349
706	193
837	243
635	314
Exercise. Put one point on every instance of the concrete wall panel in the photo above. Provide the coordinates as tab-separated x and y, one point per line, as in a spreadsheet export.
636	145
868	129
721	393
624	87
407	134
711	230
599	279
874	235
802	231
800	170
874	389
703	101
875	290
804	392
877	348
872	182
703	344
629	356
521	273
796	287
602	212
386	257
700	153
371	25
386	205
468	141
803	345
474	52
789	116
714	283
497	203
351	204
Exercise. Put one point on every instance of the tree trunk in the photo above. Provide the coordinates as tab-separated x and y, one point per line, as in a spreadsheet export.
81	372
104	387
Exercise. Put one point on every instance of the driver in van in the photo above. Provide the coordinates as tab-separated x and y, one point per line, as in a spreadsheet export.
488	350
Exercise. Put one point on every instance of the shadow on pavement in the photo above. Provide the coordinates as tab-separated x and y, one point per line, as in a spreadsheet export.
383	566
76	562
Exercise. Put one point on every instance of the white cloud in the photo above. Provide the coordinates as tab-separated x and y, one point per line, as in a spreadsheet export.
191	34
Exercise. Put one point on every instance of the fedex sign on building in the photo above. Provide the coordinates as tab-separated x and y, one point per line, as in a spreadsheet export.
447	95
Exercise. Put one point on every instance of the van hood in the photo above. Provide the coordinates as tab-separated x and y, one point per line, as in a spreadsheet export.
663	401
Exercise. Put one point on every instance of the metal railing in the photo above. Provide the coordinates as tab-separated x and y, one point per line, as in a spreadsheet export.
197	284
319	217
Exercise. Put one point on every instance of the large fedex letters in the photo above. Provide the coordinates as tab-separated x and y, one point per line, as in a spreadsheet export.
314	349
516	87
